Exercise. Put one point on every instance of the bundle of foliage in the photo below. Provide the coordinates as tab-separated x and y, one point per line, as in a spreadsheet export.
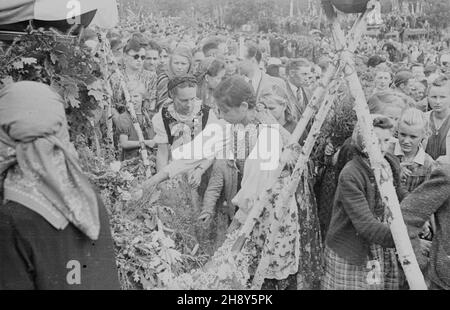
61	62
148	254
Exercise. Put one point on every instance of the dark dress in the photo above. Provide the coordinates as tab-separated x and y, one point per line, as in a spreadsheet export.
34	255
436	146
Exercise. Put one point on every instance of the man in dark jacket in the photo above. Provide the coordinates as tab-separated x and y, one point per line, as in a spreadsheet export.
432	197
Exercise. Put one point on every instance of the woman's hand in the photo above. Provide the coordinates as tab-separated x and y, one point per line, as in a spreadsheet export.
405	170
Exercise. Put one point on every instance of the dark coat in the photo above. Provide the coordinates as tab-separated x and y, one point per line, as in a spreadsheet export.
354	225
432	197
35	255
222	187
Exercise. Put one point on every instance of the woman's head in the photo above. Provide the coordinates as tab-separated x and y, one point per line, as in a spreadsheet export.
412	128
164	55
35	139
382	127
235	98
181	61
402	81
134	55
213	71
183	92
276	101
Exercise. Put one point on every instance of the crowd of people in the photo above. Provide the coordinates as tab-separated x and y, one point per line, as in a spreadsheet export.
181	80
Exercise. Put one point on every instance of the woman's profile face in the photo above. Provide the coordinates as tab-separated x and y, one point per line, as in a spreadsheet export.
180	65
213	81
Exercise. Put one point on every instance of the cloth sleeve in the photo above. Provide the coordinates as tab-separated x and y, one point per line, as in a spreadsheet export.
259	175
425	200
160	131
353	199
16	270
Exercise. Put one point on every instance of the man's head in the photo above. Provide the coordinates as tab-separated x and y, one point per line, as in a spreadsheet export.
251	59
439	95
299	72
152	59
183	92
231	64
235	99
403	81
214	48
382	80
198	58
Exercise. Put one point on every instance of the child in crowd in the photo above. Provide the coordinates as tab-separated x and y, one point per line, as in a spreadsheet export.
128	137
416	164
438	118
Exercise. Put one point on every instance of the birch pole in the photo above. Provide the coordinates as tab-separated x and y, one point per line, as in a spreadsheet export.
287	195
109	122
382	170
312	107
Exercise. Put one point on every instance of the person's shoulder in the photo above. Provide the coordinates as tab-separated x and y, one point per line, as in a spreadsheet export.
442	171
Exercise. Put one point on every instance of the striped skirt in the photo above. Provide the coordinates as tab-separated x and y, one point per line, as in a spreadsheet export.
380	273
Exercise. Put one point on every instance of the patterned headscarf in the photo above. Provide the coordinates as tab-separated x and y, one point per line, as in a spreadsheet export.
38	165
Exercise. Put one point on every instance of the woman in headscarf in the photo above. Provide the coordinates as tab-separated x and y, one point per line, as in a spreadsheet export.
54	229
180	64
359	247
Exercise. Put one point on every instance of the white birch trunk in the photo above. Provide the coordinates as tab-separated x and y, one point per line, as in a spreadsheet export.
382	171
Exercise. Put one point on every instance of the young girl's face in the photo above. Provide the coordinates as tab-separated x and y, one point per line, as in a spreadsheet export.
384	138
409	137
